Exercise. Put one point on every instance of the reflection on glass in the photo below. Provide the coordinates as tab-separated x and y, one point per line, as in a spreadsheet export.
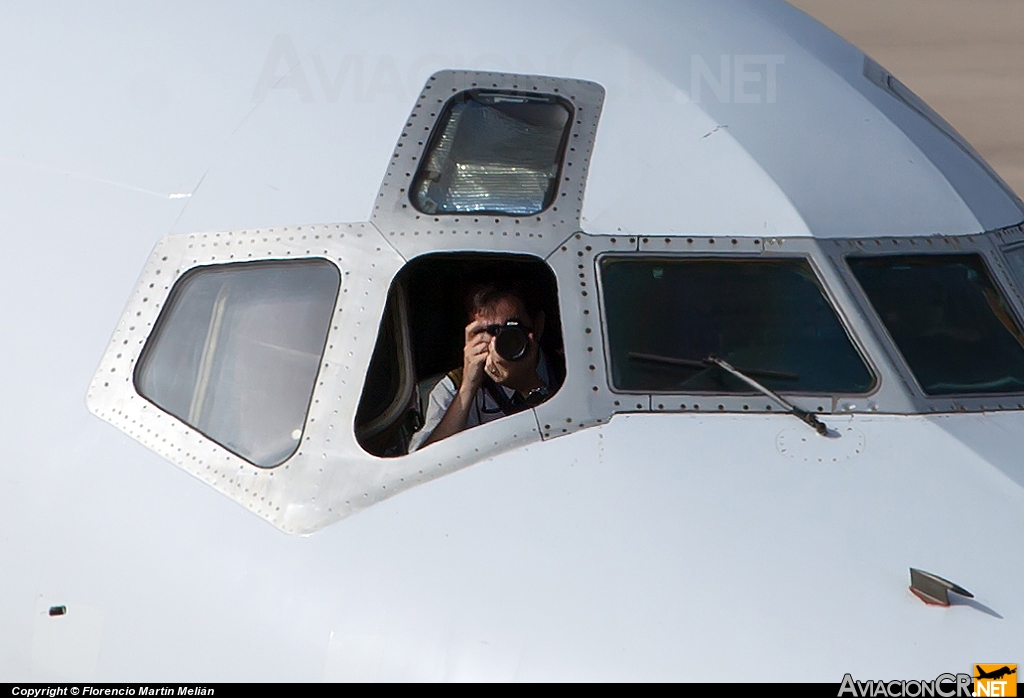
236	351
493	153
768	318
948	319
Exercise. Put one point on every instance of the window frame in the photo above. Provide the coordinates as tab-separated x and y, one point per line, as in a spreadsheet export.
398	289
330	476
590	398
413	233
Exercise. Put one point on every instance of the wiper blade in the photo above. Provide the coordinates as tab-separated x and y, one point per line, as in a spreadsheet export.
807	417
744	375
704	363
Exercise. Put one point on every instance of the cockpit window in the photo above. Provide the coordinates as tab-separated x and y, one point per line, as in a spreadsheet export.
422	340
948	319
493	153
768	318
236	351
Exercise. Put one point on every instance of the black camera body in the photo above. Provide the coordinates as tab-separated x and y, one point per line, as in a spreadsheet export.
511	340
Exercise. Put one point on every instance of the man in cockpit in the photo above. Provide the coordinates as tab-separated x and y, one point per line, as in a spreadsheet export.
504	370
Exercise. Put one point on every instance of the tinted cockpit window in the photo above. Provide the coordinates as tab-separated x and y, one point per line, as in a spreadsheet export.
236	351
948	319
493	153
768	318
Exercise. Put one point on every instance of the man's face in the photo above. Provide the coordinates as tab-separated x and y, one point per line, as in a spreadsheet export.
520	374
502	311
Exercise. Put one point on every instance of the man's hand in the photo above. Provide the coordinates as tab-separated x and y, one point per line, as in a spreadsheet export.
519	375
474	357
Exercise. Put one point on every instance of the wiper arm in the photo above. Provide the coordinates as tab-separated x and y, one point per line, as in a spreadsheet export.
704	363
809	418
744	375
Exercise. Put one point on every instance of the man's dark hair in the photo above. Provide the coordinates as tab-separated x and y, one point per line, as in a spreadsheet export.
483	296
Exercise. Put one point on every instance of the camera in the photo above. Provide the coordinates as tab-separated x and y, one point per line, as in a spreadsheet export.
511	340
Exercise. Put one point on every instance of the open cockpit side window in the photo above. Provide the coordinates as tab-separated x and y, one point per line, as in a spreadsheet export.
422	335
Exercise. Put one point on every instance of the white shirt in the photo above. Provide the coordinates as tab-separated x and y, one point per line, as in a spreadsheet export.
484	408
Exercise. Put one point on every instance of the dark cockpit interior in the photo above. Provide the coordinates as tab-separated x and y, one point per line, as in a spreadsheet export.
422	334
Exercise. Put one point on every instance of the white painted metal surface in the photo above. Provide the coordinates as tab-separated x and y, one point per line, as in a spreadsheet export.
644	546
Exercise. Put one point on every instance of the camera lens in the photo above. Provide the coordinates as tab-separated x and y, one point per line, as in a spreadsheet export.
512	342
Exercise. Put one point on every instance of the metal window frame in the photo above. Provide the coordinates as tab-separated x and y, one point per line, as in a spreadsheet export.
602	401
327	477
331	476
413	233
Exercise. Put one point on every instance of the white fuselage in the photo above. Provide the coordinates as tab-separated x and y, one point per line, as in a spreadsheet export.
652	543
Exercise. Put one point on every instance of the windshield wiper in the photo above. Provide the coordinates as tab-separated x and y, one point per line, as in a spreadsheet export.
705	363
808	417
803	415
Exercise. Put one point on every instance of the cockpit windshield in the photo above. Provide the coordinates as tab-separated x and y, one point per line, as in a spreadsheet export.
767	317
949	320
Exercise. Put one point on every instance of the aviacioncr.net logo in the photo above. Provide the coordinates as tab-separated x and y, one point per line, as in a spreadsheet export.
943	686
995	680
